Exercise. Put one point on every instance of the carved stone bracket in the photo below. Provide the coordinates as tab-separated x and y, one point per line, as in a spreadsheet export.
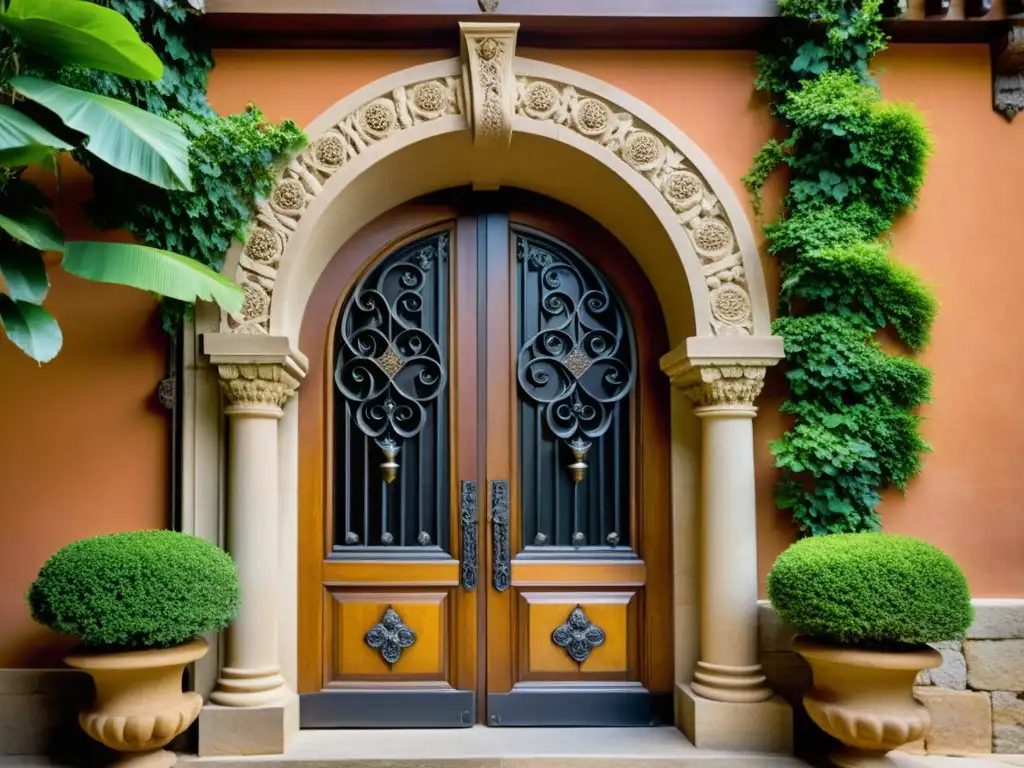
488	54
1008	73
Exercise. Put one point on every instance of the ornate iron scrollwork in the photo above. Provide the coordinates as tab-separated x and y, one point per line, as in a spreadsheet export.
391	636
468	517
578	636
581	361
388	366
499	535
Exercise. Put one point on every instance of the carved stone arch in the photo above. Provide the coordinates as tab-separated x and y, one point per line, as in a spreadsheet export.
477	120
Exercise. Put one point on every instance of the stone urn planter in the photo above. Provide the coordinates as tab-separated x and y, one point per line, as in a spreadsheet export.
864	698
138	602
139	706
866	606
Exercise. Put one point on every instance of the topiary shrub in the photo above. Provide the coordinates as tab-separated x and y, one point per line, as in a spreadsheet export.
870	589
143	589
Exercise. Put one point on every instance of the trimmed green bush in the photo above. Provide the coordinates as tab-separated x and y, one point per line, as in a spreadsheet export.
143	589
870	589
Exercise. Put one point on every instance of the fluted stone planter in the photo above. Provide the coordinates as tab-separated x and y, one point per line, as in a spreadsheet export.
139	706
865	699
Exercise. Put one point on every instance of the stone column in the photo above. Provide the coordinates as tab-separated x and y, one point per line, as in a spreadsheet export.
255	394
728	704
728	669
252	710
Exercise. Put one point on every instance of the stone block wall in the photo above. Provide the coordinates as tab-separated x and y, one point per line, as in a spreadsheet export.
976	698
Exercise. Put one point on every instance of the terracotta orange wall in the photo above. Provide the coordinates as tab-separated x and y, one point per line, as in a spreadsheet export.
85	448
965	239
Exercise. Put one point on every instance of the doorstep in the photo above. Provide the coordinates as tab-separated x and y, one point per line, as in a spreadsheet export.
482	747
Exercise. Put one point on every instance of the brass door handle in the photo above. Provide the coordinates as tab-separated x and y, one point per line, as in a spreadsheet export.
499	535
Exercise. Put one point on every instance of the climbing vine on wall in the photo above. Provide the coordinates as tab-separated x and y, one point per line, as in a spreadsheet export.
233	159
855	163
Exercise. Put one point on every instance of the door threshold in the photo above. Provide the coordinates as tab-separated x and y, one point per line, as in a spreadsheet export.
481	747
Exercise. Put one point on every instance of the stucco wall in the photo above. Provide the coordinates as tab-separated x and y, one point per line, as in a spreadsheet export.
90	454
964	239
85	448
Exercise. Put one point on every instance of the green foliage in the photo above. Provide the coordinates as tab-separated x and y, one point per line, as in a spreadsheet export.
871	589
233	164
858	282
45	117
143	589
233	159
854	163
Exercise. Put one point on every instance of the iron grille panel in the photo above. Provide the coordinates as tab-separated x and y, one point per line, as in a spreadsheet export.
576	369
391	403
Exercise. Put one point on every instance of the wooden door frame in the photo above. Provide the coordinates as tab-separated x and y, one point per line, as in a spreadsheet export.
351	261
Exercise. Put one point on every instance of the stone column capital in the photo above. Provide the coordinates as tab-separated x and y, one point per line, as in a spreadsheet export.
256	387
258	373
722	382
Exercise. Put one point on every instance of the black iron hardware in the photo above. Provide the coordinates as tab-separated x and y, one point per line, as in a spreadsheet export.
578	636
499	535
468	517
391	636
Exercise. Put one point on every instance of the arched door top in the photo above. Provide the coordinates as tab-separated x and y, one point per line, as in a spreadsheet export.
491	119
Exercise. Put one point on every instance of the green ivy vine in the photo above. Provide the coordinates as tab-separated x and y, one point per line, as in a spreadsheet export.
233	159
855	163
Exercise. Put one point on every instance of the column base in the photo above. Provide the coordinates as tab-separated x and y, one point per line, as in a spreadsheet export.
248	730
250	688
733	685
765	726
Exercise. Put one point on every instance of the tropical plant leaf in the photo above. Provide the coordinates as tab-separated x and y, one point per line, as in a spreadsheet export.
77	32
131	140
151	269
32	226
25	274
23	141
32	329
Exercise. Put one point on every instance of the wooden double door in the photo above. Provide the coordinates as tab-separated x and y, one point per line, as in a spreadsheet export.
484	501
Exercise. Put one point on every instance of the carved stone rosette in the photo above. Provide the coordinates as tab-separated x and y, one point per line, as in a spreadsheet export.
488	93
303	179
256	386
646	152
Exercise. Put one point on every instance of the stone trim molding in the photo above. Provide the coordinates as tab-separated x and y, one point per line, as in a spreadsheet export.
488	91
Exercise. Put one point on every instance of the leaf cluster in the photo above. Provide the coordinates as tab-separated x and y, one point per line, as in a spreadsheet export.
872	590
41	117
233	163
142	589
855	162
233	159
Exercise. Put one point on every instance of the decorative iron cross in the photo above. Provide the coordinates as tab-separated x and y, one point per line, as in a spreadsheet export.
391	636
578	636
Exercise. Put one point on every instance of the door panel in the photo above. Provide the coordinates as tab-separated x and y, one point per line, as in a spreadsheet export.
484	530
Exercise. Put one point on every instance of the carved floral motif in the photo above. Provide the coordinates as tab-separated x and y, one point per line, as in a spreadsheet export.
278	218
256	385
641	148
645	151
